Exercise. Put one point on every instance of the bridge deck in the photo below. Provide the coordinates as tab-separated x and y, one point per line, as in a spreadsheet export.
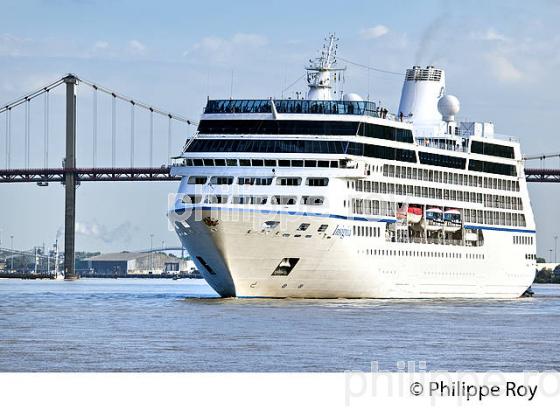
162	174
87	174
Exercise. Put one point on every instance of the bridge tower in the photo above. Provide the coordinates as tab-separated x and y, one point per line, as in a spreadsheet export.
70	180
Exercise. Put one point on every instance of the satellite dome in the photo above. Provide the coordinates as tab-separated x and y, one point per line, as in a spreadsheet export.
352	97
448	106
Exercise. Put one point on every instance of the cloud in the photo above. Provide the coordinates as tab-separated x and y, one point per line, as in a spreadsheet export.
221	49
374	32
251	40
13	46
503	69
100	45
136	47
123	232
490	35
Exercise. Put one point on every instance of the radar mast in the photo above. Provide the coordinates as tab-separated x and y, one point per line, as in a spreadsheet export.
322	72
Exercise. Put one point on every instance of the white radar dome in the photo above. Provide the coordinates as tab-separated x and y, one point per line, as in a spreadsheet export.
448	106
352	97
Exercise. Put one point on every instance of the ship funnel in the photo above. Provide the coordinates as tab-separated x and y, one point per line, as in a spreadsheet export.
422	89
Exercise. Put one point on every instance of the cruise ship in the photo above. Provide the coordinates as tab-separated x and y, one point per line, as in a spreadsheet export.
333	196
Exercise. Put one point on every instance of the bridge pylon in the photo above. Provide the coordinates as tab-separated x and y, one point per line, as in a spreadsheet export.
70	180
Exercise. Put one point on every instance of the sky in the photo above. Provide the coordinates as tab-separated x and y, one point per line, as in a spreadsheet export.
500	58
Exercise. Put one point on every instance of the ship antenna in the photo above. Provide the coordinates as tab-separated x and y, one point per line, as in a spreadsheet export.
321	72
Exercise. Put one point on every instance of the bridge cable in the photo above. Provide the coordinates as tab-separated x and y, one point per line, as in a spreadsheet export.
169	134
114	131
31	96
136	102
8	136
94	128
46	129
151	137
132	134
26	142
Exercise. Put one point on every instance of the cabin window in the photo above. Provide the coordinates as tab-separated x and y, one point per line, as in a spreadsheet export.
246	199
192	199
221	180
216	199
312	200
288	181
283	200
318	181
197	180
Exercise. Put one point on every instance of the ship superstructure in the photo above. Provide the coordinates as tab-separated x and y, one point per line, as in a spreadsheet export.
324	197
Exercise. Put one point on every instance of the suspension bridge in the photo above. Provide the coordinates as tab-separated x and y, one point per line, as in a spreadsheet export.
70	175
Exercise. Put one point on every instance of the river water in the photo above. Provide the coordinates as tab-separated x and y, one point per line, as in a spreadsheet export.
164	325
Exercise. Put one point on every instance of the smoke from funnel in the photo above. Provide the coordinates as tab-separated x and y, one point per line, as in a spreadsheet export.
428	38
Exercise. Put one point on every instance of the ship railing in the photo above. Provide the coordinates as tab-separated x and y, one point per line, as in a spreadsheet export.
506	137
429	241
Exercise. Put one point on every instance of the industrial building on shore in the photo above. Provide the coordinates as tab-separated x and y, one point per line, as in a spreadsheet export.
139	263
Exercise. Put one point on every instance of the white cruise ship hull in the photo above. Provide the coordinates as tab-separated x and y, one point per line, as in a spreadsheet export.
237	255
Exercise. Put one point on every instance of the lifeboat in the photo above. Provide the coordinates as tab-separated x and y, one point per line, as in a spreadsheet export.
434	219
414	214
452	218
